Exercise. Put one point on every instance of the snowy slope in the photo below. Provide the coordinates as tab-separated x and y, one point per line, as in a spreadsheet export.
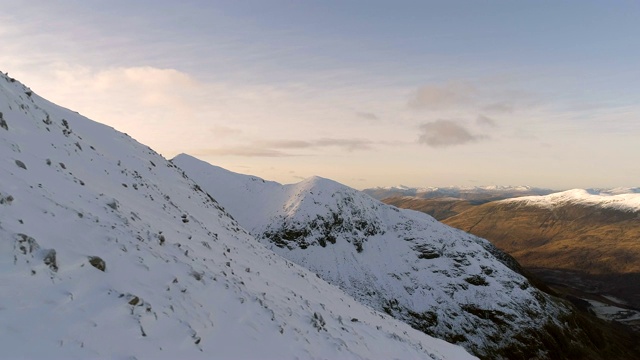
108	251
625	199
438	279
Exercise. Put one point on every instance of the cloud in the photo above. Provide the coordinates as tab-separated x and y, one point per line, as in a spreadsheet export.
499	107
485	121
346	144
220	130
275	148
286	144
443	133
246	151
367	116
443	96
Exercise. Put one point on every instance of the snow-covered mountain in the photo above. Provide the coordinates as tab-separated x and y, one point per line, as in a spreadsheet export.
108	251
475	193
438	279
625	199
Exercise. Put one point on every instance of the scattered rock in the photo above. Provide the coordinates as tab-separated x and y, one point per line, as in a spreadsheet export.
476	280
113	204
27	244
3	123
6	199
97	263
50	259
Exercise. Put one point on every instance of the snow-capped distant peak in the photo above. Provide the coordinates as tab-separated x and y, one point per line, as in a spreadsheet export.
626	199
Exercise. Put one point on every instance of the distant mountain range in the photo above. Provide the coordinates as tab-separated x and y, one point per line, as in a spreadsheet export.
476	194
444	202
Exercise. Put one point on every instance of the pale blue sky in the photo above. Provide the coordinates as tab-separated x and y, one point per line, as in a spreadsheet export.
422	93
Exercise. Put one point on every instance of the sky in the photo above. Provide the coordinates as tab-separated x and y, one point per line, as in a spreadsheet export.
368	93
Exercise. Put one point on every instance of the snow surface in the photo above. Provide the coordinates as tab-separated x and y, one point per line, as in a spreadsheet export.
625	199
182	280
404	262
614	313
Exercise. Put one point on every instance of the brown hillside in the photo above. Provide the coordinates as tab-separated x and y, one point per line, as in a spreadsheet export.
440	208
598	243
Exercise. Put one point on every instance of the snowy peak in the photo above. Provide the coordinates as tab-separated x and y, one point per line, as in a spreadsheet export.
282	212
121	255
624	199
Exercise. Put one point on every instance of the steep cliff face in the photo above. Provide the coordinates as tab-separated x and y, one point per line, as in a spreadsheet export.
108	250
440	280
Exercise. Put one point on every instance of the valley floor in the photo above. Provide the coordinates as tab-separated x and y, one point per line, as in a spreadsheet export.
612	298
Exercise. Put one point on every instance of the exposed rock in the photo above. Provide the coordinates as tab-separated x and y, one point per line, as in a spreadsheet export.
50	259
3	122
26	244
97	263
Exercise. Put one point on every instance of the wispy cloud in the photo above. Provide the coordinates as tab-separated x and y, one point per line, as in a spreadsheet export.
285	144
221	130
485	121
499	107
443	96
278	148
345	144
367	116
245	151
443	133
